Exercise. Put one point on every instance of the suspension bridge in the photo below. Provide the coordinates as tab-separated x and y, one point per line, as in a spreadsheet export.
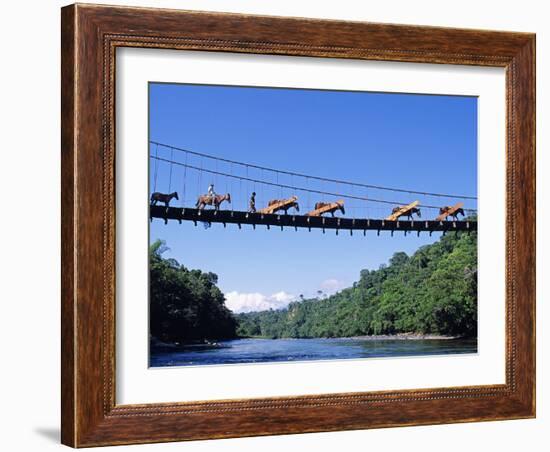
206	188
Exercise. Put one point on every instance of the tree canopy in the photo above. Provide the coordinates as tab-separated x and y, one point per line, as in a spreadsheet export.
185	305
434	291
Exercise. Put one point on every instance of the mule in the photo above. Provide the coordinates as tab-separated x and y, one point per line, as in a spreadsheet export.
337	206
284	207
163	197
455	214
207	200
409	213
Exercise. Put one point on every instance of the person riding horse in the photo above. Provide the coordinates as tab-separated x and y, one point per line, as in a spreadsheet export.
209	200
211	191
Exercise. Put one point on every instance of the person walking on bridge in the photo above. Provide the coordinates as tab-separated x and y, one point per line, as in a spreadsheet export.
252	204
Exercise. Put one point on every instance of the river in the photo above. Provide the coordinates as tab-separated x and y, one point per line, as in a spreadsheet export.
241	351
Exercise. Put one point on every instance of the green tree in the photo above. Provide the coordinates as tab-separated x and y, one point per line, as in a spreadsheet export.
185	305
432	291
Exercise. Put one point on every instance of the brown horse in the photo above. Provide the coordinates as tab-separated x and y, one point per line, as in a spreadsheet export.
409	213
455	214
284	207
207	200
339	205
162	197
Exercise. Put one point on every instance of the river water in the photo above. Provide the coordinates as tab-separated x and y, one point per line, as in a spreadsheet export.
240	351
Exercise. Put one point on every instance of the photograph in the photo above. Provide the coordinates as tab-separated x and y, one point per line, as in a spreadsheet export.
267	226
295	224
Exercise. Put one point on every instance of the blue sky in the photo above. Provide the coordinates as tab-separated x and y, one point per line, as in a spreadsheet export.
417	142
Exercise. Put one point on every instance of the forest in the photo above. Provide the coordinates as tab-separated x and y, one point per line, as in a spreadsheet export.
433	291
185	305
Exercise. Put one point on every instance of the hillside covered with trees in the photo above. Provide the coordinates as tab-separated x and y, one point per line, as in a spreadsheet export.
434	291
185	305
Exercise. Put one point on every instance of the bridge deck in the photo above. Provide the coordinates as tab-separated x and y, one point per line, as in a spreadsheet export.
303	221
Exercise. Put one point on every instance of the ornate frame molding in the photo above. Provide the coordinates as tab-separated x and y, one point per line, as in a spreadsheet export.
90	37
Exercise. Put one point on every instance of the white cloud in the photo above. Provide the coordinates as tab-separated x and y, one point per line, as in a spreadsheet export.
256	301
247	302
331	285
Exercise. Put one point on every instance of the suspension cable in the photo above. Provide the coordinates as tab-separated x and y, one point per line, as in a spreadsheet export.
307	190
325	179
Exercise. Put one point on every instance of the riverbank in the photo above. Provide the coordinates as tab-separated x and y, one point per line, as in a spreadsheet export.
374	337
404	337
155	343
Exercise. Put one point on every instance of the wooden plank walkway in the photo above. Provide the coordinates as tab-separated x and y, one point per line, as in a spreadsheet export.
302	221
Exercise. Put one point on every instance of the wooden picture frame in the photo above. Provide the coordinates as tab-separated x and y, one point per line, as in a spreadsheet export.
90	36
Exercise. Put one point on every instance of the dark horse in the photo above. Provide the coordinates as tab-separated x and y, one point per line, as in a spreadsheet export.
338	205
162	197
409	213
207	200
454	214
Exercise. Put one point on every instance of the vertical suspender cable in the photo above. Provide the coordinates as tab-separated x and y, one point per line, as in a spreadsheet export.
199	179
226	185
308	194
215	182
247	194
231	171
366	204
171	165
156	168
184	181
